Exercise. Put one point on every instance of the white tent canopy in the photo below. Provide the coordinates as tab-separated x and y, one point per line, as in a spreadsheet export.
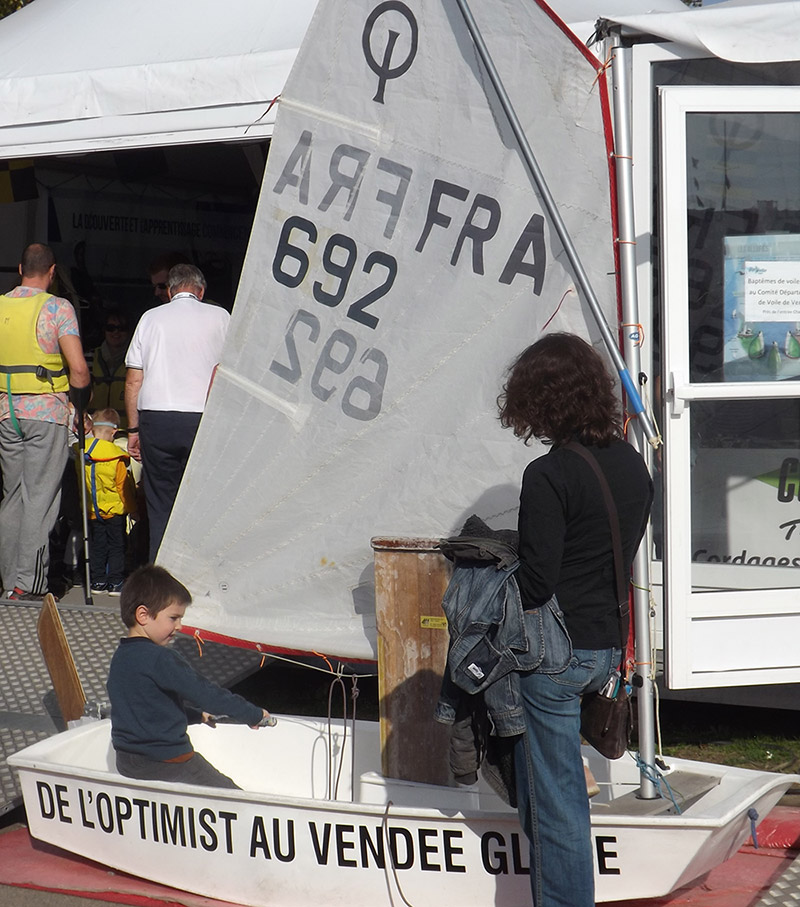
78	75
743	31
82	75
582	15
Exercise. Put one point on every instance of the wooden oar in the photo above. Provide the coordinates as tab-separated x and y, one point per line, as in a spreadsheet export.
59	661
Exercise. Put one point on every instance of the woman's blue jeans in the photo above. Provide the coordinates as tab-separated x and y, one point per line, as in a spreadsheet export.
551	789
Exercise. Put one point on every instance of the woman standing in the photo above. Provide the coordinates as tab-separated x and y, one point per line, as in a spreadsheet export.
108	366
559	391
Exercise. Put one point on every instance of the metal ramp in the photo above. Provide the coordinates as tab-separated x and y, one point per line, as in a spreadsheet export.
785	891
28	706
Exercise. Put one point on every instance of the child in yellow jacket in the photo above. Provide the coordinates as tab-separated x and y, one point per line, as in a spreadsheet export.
110	495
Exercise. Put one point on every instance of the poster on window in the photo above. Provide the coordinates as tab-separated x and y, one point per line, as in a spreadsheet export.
744	507
762	307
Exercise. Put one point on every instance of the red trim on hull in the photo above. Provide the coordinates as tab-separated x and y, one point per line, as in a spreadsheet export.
264	648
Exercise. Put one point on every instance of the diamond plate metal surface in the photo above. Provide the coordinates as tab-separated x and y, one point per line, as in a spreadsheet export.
786	891
28	707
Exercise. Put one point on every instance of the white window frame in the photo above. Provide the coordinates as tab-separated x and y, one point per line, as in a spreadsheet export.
720	634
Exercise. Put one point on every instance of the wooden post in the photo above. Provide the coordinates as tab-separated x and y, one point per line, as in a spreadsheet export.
411	576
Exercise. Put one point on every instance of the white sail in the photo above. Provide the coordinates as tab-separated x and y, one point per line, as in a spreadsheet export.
399	260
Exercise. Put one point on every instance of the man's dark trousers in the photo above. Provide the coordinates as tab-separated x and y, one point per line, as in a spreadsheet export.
165	439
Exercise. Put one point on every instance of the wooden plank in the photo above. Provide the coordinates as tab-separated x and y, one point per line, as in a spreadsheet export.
59	661
411	576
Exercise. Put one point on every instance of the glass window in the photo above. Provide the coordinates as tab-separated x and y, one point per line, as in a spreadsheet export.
743	237
743	256
745	475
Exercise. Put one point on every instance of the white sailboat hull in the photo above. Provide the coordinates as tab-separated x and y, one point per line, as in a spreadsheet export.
285	841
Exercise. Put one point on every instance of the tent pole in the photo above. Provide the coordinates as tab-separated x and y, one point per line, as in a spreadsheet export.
643	677
549	204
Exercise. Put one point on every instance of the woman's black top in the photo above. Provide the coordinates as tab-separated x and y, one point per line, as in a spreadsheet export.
565	541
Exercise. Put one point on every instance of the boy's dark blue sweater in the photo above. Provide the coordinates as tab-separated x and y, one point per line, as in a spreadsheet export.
148	685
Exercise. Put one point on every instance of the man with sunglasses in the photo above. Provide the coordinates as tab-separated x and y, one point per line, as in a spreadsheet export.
42	368
173	354
159	270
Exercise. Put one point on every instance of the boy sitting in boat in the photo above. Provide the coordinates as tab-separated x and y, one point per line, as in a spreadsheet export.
148	683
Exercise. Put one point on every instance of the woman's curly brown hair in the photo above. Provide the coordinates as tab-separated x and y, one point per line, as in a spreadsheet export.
559	390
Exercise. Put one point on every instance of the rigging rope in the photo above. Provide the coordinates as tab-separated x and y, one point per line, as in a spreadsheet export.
333	770
657	778
353	696
389	857
333	788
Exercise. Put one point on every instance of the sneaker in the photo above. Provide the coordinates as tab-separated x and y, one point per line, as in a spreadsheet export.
99	587
115	588
20	595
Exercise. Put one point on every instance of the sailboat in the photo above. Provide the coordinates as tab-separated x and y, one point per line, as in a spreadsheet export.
403	252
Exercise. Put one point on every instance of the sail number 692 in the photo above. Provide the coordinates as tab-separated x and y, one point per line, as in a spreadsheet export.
362	397
291	263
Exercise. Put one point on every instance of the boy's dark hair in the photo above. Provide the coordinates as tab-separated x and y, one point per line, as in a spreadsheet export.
155	588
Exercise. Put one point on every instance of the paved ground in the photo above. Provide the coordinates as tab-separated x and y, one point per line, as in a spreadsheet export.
29	897
12	896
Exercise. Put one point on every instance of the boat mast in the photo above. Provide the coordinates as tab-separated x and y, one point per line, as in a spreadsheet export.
623	157
611	343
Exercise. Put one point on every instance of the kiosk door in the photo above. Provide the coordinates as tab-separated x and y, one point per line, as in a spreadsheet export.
730	196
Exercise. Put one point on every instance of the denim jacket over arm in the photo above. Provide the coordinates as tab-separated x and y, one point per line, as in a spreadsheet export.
491	638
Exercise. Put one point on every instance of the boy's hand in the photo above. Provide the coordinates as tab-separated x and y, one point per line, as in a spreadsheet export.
266	721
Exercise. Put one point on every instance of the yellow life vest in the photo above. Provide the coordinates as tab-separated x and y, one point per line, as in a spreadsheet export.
109	486
24	367
108	389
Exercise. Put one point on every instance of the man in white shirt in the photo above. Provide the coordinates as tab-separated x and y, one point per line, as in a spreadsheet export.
170	363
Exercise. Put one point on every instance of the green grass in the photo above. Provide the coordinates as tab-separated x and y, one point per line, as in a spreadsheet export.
762	753
764	739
